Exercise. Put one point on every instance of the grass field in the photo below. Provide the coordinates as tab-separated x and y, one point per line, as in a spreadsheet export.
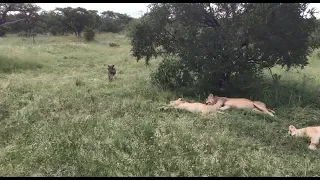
60	116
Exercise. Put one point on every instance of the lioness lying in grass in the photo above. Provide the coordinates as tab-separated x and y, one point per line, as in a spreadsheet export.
194	107
238	103
312	132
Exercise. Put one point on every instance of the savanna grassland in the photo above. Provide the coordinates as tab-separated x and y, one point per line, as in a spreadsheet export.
60	116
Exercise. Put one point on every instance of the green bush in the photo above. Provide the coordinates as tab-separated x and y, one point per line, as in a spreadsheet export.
171	74
89	33
4	30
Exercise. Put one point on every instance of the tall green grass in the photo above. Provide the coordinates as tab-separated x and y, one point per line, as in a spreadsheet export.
60	116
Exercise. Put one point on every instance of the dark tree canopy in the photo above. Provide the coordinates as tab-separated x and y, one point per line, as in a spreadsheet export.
53	25
114	22
6	8
60	21
30	16
214	41
315	37
75	19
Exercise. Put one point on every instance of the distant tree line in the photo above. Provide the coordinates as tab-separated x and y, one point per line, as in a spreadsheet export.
28	18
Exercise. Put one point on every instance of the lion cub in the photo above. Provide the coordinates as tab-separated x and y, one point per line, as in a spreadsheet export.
238	103
312	132
195	107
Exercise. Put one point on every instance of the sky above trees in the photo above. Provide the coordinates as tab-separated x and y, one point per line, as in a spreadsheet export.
133	9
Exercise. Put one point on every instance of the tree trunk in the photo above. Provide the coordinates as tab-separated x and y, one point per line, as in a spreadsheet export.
30	31
76	34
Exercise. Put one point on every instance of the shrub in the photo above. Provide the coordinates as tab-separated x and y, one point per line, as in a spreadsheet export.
4	30
114	45
89	33
171	74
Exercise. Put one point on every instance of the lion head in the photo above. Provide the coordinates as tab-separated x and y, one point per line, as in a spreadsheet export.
292	130
211	100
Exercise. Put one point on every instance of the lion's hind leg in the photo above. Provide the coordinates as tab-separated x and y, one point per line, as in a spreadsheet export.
224	108
256	110
314	143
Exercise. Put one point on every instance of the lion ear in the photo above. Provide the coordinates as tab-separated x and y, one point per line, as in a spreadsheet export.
210	95
292	127
181	99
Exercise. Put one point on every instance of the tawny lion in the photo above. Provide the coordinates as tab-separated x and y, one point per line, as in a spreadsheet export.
312	132
238	103
195	107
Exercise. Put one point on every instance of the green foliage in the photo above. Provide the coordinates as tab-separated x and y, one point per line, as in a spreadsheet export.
4	30
171	74
27	12
45	22
62	21
217	42
130	27
75	19
315	36
31	17
114	45
114	22
89	33
53	25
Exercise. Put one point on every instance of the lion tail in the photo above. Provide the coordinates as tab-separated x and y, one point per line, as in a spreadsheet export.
271	110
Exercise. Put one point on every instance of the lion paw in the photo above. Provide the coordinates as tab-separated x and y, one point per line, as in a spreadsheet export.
312	147
163	108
